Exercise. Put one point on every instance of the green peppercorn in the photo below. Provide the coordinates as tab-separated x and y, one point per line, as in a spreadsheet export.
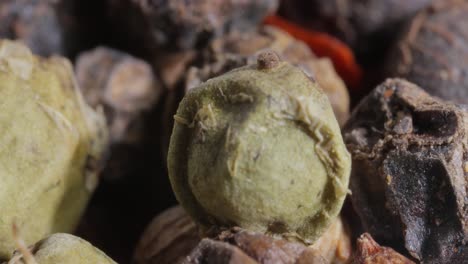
259	147
51	145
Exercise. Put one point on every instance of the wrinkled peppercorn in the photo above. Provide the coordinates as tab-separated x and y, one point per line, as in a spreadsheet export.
409	171
335	244
52	146
212	252
168	239
432	52
369	252
257	248
243	139
35	23
183	24
172	235
127	89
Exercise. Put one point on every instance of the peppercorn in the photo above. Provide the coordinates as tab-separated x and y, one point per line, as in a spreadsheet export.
246	139
335	244
181	24
369	252
52	146
409	164
432	51
127	89
172	235
252	247
35	23
169	237
211	252
60	248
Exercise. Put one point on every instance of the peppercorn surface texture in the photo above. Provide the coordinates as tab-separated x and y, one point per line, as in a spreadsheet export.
409	171
260	148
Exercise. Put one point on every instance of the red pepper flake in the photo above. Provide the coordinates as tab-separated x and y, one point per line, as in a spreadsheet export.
324	45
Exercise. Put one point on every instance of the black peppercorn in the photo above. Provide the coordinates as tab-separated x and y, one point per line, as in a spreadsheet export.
433	51
409	171
367	26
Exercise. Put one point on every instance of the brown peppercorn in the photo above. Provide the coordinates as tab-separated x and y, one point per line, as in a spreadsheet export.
408	179
262	249
335	244
432	51
168	239
210	251
369	252
127	89
172	235
35	23
182	24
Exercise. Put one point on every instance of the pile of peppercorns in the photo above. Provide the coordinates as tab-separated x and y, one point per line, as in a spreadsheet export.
220	131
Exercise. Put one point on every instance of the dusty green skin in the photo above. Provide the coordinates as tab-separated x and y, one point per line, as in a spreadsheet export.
260	149
50	146
63	249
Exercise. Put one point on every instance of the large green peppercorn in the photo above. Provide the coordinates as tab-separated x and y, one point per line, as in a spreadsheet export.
51	144
259	147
